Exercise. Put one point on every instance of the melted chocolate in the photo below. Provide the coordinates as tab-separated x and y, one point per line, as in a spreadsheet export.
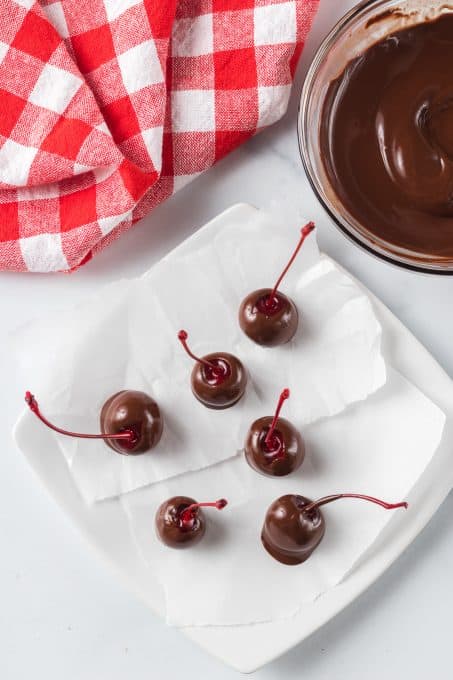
289	534
384	15
284	453
136	411
172	530
387	139
222	389
268	324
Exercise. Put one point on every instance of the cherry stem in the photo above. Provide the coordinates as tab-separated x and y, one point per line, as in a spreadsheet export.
182	337
188	513
305	231
283	397
128	434
329	499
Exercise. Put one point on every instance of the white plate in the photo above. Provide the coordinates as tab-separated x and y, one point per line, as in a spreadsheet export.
246	648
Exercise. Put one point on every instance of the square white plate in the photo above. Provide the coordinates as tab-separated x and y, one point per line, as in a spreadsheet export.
246	648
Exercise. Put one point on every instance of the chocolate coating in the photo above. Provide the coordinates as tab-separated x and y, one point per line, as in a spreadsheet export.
130	409
268	325
285	452
289	534
223	392
386	140
171	530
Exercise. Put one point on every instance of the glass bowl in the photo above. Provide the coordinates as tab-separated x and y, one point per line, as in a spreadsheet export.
365	24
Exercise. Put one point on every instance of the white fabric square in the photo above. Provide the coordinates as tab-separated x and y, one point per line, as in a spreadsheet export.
272	103
43	253
140	66
180	181
55	14
80	168
193	37
103	127
107	224
25	3
54	89
3	50
15	162
114	8
275	24
41	191
102	174
153	142
193	110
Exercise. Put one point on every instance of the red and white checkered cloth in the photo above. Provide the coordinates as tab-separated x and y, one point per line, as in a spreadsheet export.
109	106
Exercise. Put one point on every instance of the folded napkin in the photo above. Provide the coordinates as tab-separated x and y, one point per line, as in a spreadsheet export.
107	107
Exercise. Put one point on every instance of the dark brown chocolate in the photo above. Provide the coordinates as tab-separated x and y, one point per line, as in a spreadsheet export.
283	454
268	324
136	411
171	527
289	534
221	388
386	139
294	525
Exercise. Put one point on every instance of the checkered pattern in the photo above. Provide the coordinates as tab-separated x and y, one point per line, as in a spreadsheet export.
109	106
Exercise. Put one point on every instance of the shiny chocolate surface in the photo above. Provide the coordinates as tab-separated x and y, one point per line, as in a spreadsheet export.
289	534
222	387
386	139
283	454
268	323
136	411
170	527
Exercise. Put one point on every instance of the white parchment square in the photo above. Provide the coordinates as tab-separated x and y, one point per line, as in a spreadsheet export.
378	447
125	337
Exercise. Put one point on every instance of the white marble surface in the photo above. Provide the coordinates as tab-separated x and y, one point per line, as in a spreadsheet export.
64	616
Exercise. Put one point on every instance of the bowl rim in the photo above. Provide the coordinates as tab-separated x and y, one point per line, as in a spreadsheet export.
317	58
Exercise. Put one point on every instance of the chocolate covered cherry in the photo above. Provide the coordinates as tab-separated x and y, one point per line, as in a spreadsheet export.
180	522
131	422
273	446
218	380
294	525
134	411
267	316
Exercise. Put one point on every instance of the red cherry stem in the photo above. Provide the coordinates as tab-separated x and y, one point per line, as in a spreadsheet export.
329	499
283	397
182	337
188	513
305	231
128	434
